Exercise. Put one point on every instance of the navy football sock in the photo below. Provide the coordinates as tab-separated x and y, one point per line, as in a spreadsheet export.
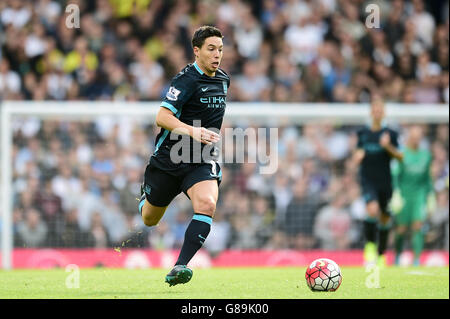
195	235
370	229
383	235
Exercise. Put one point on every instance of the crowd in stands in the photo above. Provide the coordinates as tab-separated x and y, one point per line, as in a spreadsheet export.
76	183
280	51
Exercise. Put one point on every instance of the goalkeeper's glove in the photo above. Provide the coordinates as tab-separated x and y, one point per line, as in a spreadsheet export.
397	202
431	203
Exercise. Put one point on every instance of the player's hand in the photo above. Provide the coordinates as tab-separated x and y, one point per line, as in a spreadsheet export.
431	203
385	140
205	136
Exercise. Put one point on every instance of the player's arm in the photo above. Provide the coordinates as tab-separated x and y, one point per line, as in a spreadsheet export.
385	142
358	156
167	120
397	174
178	94
359	153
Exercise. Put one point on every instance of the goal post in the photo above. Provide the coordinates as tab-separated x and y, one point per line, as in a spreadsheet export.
6	193
267	114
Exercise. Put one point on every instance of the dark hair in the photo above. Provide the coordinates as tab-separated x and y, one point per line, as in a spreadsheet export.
204	32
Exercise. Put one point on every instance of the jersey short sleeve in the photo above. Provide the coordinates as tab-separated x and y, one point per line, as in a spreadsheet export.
179	93
396	172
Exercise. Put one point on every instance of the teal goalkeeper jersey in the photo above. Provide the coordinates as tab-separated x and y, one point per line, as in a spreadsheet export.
412	176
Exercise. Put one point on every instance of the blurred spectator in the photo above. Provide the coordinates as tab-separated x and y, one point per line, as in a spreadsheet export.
16	13
395	23
442	135
332	225
248	35
161	237
10	82
351	24
32	231
282	195
219	236
304	34
339	73
127	193
80	57
262	219
423	22
253	85
35	43
148	74
241	237
334	144
65	183
427	70
317	175
357	210
285	72
243	229
437	226
49	11
72	235
178	228
113	218
300	216
98	236
50	206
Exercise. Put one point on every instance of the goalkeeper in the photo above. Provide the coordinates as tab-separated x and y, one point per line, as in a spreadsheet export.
413	190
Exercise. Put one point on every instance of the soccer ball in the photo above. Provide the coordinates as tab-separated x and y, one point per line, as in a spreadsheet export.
323	275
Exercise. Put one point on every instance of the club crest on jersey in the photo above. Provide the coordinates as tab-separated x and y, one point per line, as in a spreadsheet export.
172	94
225	87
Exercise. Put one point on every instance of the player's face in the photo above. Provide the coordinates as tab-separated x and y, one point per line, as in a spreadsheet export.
377	111
415	135
210	55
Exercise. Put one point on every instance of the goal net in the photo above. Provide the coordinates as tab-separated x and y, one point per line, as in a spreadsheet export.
71	172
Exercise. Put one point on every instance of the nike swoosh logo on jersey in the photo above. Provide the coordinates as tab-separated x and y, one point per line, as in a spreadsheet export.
205	89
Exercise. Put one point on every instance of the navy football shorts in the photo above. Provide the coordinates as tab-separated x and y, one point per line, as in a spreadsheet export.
161	186
382	195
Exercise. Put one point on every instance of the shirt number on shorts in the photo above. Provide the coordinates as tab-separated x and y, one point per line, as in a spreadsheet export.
213	168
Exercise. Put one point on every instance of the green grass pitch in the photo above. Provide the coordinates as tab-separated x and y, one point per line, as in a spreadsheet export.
223	283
